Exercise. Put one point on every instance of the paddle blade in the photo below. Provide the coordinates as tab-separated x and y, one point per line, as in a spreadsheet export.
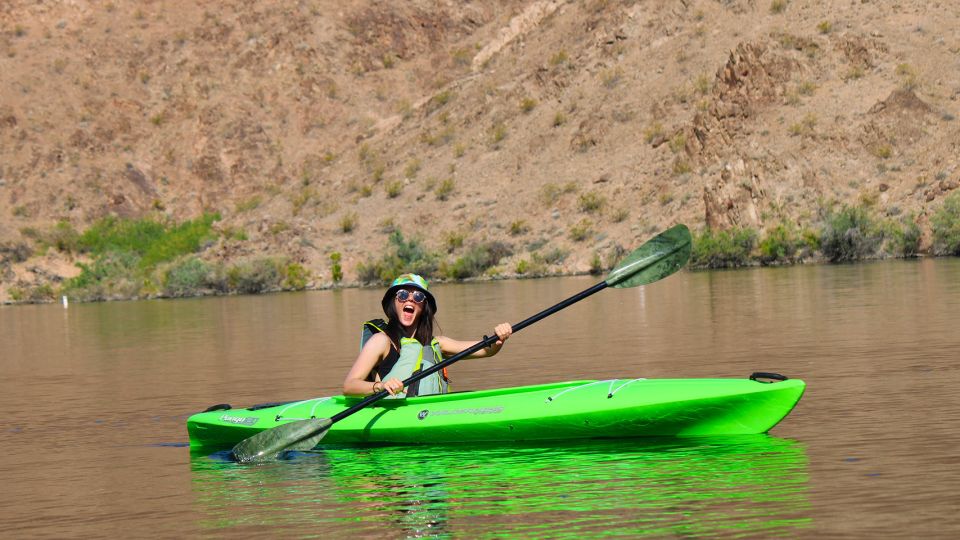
661	256
268	444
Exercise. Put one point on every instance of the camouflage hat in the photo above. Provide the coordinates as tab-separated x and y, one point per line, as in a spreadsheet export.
408	281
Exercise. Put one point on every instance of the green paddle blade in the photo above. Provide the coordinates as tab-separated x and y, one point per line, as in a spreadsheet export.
661	256
268	444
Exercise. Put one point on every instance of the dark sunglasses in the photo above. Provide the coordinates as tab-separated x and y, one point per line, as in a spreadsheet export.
403	295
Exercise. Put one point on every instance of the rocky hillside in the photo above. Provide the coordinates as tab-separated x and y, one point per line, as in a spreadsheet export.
316	126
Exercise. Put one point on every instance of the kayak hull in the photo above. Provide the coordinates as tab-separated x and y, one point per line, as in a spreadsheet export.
615	408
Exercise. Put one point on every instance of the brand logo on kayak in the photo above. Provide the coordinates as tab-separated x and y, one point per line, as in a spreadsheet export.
479	410
423	414
241	420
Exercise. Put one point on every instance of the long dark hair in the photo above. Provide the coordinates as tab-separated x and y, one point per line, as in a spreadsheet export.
425	323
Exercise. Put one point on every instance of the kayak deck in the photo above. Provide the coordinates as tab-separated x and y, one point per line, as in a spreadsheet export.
613	408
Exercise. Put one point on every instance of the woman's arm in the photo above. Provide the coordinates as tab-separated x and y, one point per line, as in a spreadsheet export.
375	350
451	347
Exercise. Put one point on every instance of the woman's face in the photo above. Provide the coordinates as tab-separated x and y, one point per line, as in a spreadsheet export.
408	310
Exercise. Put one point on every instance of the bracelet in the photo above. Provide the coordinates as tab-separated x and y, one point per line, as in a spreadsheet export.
375	386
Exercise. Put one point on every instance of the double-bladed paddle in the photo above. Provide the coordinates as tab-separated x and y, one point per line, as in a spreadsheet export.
659	257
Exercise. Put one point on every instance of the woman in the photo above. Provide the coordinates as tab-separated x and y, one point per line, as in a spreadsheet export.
406	344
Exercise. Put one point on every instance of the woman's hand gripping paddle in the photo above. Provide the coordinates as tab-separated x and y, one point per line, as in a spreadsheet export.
661	256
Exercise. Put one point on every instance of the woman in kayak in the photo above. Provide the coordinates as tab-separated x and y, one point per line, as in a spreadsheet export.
406	344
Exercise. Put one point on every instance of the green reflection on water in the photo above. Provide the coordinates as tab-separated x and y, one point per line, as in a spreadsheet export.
745	485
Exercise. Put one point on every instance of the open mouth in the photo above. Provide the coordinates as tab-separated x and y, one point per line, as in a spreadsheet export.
408	309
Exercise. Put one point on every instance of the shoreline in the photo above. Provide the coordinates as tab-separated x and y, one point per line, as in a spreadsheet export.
439	280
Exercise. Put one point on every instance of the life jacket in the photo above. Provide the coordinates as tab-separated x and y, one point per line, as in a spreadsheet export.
413	358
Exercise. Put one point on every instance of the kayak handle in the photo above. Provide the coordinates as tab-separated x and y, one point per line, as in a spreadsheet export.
756	375
218	407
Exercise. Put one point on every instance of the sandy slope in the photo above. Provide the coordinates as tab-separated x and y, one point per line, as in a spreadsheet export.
289	118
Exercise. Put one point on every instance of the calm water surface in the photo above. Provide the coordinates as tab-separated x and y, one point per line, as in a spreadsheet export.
96	399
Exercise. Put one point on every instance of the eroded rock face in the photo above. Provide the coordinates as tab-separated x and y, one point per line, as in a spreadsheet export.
731	198
755	76
861	52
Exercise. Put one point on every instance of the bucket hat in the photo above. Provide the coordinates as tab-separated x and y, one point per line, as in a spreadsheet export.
408	281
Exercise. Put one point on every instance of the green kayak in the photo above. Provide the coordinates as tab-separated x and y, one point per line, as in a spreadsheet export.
567	410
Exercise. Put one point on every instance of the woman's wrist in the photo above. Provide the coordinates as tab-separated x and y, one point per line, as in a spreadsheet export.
375	390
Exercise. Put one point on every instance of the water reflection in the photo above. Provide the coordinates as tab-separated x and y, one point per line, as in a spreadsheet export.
754	485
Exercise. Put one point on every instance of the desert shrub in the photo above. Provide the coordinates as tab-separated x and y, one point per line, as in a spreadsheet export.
255	276
723	249
445	189
550	193
903	238
477	260
247	205
302	199
681	167
533	267
114	274
596	265
591	202
412	168
376	173
678	143
553	256
882	150
518	227
454	240
336	270
295	277
401	256
189	276
779	245
498	132
945	224
348	222
653	132
581	230
394	189
63	237
35	294
849	234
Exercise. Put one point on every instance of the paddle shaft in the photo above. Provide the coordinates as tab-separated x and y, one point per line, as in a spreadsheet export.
484	343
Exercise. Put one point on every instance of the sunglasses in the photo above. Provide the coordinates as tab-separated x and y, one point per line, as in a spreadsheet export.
417	296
